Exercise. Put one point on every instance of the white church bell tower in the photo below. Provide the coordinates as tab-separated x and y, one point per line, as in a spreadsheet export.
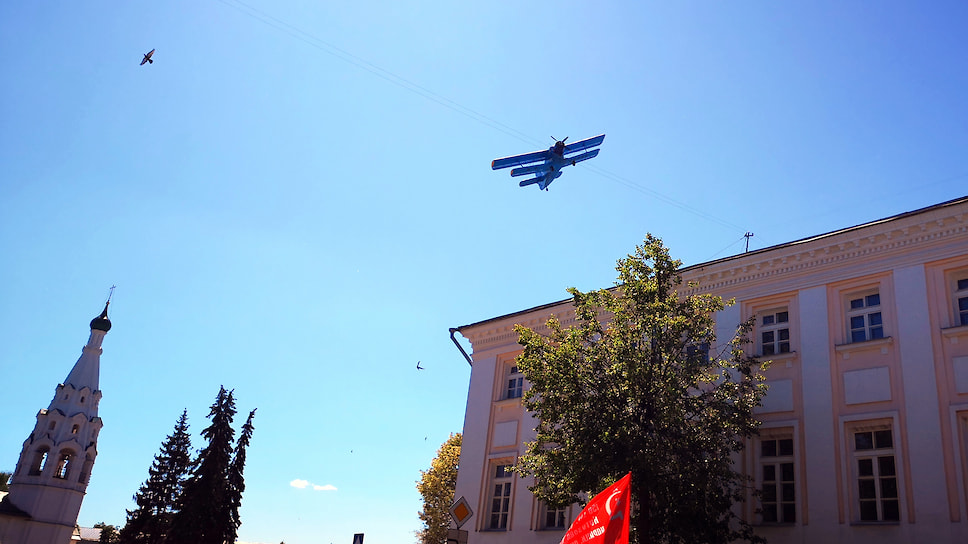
55	464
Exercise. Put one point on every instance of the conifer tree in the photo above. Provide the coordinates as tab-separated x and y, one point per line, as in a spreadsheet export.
236	479
205	516
156	499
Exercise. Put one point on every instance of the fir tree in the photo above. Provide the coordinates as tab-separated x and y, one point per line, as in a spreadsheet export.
150	521
205	510
236	480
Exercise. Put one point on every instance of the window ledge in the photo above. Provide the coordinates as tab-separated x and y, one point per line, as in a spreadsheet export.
502	403
865	345
875	523
954	332
778	356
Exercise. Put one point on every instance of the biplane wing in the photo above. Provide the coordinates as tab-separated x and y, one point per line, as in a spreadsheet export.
583	157
518	160
585	144
543	180
525	170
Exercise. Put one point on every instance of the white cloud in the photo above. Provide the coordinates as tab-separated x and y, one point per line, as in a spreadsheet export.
303	484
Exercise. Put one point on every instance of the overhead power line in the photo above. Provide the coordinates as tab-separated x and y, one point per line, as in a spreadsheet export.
420	90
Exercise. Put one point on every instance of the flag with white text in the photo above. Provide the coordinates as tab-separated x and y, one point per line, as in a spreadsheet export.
605	520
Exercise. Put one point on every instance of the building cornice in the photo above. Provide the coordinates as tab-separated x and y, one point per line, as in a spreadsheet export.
909	240
930	234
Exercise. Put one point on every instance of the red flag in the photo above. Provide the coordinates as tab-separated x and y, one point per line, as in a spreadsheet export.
605	520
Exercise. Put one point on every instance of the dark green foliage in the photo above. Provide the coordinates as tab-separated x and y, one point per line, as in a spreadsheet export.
156	499
194	502
204	515
235	477
109	533
632	387
4	480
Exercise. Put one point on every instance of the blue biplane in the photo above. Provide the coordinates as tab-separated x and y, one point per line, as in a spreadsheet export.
549	162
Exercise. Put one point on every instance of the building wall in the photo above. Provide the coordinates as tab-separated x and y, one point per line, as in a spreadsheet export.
869	394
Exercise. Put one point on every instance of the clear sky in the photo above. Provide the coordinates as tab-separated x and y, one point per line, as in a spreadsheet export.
295	201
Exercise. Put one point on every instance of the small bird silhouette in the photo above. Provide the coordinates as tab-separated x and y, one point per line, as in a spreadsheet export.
418	366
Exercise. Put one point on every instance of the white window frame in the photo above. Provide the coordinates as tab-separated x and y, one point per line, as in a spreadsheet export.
776	461
513	383
500	488
872	423
870	314
776	328
560	515
959	298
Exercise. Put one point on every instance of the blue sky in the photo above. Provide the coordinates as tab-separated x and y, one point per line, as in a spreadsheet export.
295	201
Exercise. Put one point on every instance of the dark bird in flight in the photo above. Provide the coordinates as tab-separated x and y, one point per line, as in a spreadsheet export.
418	366
148	58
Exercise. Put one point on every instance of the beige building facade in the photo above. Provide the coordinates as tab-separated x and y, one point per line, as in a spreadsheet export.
864	433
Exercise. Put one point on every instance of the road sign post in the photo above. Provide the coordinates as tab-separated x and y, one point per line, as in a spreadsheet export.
456	536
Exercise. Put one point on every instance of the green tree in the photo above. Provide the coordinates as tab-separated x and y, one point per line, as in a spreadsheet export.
436	486
632	387
109	533
4	480
204	515
235	477
150	522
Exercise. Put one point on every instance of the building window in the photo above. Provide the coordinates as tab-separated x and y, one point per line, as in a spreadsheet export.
778	497
75	428
553	518
876	475
500	498
698	349
775	332
52	425
64	465
86	470
864	318
39	462
961	302
515	383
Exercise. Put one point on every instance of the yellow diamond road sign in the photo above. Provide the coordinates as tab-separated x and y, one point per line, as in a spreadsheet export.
461	511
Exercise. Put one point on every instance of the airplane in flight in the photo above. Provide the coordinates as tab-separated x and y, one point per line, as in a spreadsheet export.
548	163
148	58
